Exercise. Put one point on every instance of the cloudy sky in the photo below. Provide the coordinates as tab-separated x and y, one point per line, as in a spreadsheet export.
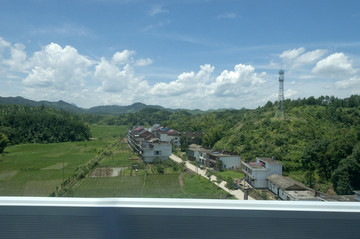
181	53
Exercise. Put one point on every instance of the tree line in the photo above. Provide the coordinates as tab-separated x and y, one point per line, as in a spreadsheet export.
26	124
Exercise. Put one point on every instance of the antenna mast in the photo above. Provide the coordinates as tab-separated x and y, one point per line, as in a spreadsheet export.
281	111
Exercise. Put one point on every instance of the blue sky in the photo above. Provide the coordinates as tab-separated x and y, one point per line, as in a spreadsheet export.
180	53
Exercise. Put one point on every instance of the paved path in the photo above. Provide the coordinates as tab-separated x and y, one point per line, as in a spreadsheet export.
236	193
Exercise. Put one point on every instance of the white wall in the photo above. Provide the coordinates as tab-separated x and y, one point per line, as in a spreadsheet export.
231	162
161	151
167	138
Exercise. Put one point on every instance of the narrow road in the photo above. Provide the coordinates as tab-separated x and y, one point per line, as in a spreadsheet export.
236	193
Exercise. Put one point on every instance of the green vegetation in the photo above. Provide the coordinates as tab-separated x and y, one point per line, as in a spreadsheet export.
36	169
3	142
25	124
315	141
318	142
163	186
229	173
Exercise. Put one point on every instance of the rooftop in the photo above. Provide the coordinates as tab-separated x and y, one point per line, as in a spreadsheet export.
254	165
302	195
339	198
285	182
269	160
195	147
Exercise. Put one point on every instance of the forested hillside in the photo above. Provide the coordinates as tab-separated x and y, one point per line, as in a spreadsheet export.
318	141
26	124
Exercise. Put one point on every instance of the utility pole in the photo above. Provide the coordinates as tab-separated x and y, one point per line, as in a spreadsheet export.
63	170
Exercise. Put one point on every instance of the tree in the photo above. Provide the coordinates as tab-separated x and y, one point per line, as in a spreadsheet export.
220	165
346	178
3	142
230	183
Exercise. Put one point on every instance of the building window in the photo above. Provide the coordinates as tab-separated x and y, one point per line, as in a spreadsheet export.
157	152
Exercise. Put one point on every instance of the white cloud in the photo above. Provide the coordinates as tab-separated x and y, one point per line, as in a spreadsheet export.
297	57
158	9
335	65
242	80
290	93
55	72
205	90
3	44
123	57
112	78
18	57
187	83
228	15
290	55
57	68
351	83
143	62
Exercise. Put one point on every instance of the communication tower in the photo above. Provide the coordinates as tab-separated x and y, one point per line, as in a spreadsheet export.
281	111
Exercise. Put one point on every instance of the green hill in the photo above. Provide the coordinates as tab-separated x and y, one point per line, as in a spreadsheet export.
318	142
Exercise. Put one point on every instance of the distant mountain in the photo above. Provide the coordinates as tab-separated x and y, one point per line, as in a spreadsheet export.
116	109
60	105
105	109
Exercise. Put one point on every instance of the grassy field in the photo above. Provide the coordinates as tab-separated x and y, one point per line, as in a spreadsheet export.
229	173
26	168
159	186
36	169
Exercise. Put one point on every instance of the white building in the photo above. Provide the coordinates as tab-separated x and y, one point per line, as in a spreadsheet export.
170	136
153	149
357	195
147	145
197	153
210	158
229	161
256	173
289	189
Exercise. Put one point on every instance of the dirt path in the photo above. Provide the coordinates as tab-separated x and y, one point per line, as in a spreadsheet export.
181	182
236	193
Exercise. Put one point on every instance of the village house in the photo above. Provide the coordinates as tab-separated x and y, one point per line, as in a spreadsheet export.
289	189
357	195
170	136
257	172
152	149
197	153
147	145
211	158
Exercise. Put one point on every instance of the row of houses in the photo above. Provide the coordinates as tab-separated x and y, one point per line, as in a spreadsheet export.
266	173
211	158
149	145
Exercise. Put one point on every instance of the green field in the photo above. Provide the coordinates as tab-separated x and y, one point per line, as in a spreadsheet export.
36	169
228	173
159	186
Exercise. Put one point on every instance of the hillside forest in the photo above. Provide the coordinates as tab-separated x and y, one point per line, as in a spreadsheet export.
318	141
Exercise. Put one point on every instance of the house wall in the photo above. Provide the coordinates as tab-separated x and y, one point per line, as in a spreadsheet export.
257	176
276	190
260	176
232	162
168	138
161	151
357	196
273	188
